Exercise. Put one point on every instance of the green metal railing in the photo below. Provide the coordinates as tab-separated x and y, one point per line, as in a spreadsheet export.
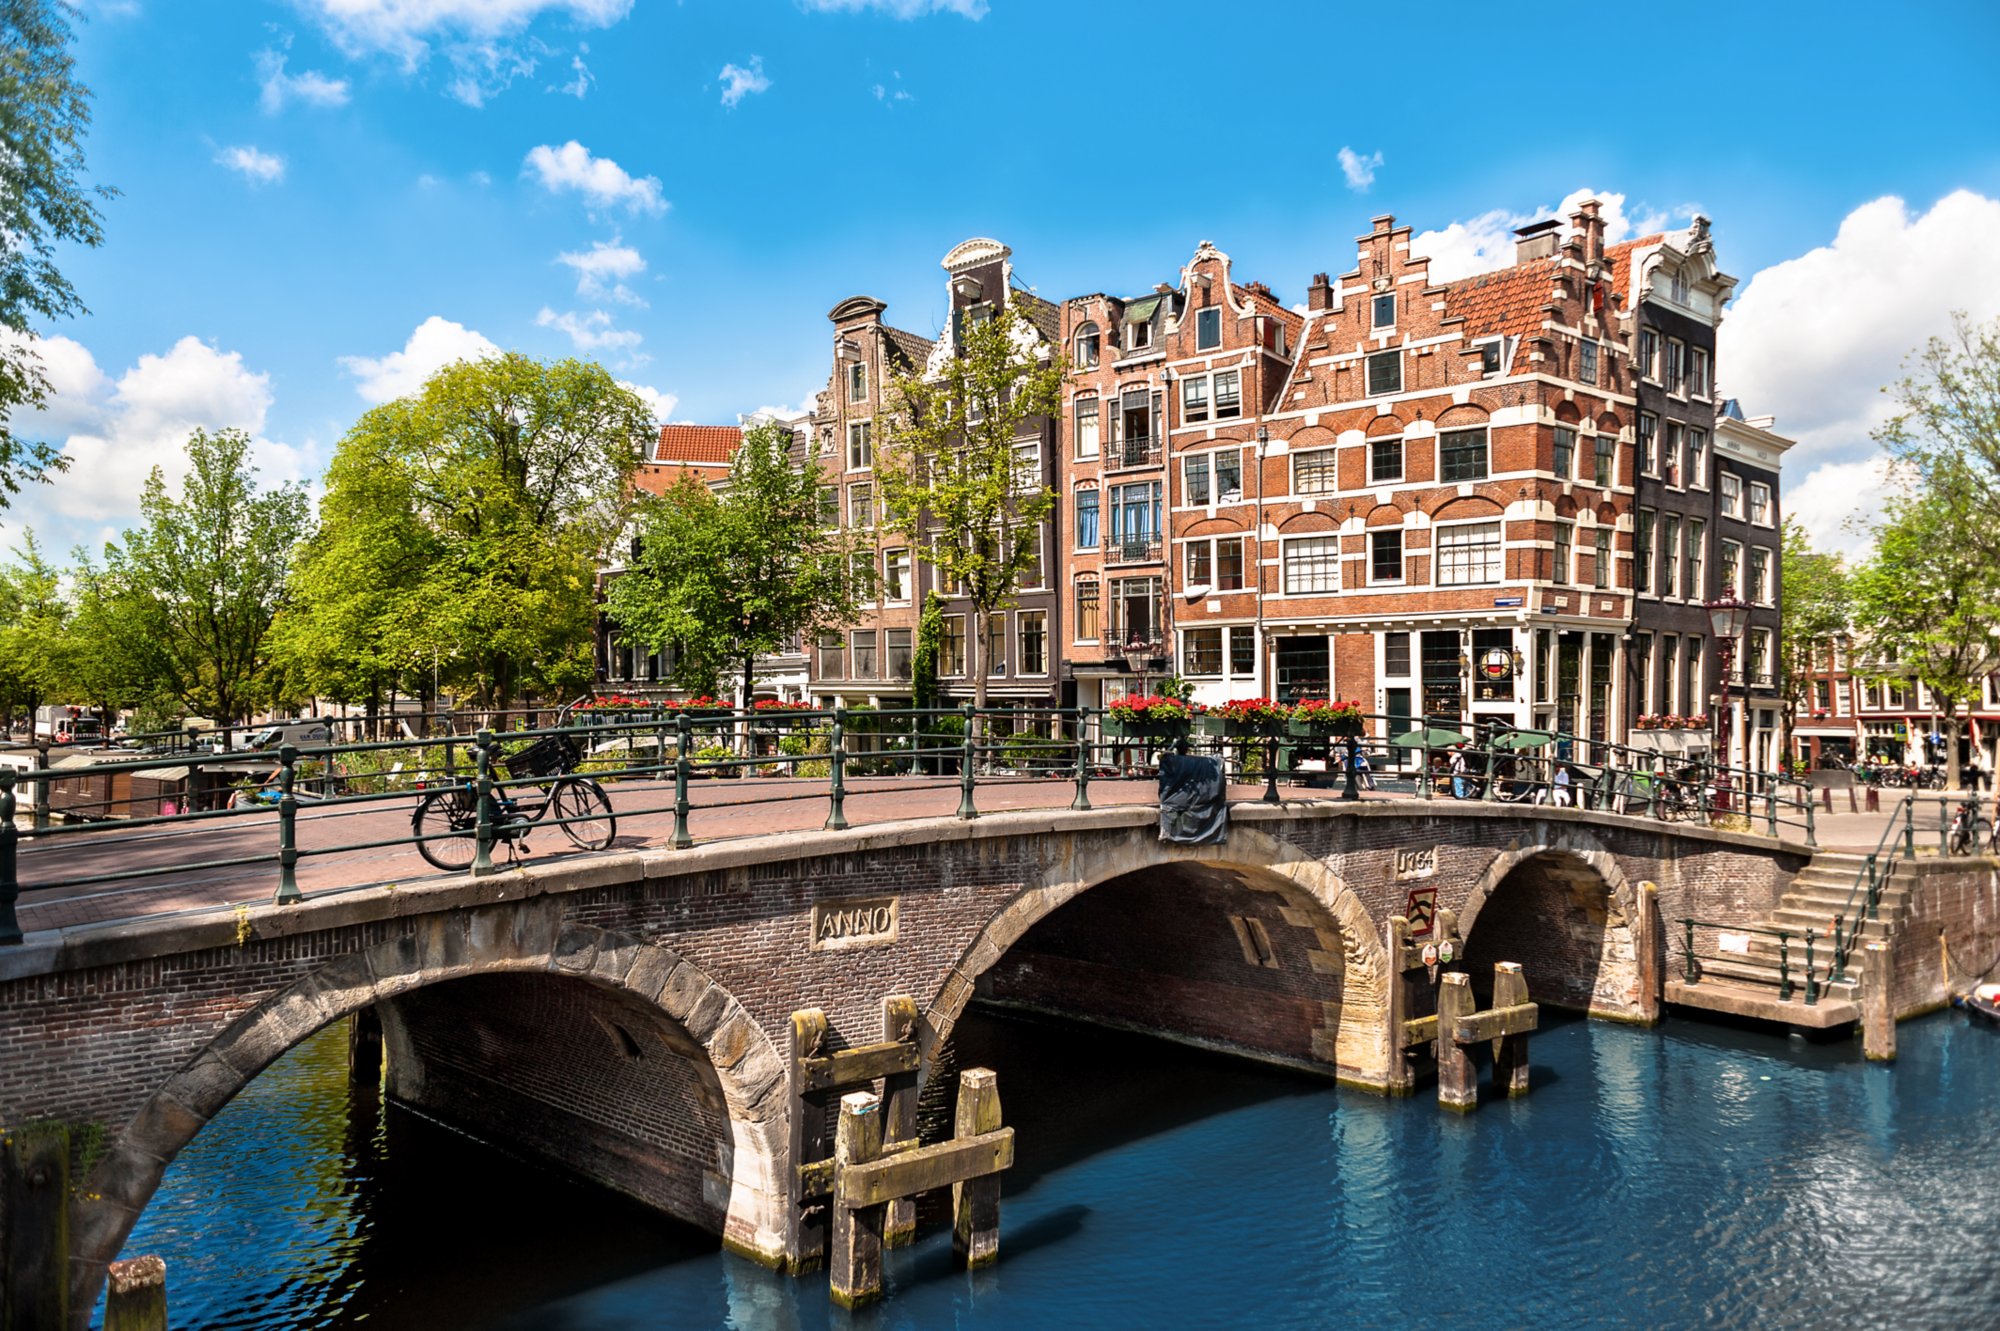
670	762
1692	962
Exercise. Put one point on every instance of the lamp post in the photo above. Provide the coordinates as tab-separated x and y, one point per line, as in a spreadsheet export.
1727	619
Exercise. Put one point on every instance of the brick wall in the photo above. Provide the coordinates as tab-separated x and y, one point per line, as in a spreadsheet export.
1957	903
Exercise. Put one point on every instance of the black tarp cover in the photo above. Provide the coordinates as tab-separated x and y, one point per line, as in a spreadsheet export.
1194	801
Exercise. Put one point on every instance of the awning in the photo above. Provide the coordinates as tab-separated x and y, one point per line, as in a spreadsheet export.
164	774
1141	310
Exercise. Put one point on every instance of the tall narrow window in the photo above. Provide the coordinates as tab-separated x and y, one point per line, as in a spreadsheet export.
1194	478
1697	541
1086	427
1607	460
1670	554
1208	328
1649	354
1228	394
1385	373
1086	610
1087	343
1642	551
1385	310
1200	564
1385	461
1649	433
1698	458
1676	438
1564	536
1698	371
1194	400
1229	476
861	505
864	653
1229	563
860	445
1385	555
1731	565
1565	453
951	646
1586	362
1031	631
896	575
1601	564
857	382
1086	519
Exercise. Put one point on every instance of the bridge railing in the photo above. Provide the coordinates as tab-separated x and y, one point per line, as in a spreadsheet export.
113	826
1801	959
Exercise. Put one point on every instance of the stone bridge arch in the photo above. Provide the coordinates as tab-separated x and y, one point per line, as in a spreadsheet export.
1340	945
746	1066
1564	907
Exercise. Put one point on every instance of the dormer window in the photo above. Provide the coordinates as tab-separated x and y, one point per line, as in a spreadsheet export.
1138	336
1489	358
1087	347
1208	328
1385	311
1677	288
1139	323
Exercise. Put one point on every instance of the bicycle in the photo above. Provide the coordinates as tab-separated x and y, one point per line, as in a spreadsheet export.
446	822
1964	834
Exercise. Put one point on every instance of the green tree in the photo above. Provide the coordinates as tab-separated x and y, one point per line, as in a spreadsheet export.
44	114
1928	606
34	631
1947	421
1813	620
495	487
950	472
726	575
212	562
115	657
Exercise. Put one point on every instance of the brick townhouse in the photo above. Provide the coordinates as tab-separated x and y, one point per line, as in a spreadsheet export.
1448	486
1749	559
1854	709
870	662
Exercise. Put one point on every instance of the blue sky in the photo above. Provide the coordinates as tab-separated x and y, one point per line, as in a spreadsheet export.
322	198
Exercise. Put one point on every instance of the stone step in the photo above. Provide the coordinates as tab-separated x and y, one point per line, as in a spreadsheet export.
1737	998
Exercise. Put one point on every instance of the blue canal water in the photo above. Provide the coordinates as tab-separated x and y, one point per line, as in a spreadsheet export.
1686	1176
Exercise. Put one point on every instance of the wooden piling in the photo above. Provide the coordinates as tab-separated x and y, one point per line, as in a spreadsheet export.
1649	941
856	1257
1458	1082
899	1113
1510	1052
135	1295
1401	1080
364	1047
975	1203
808	1137
1878	1012
34	1227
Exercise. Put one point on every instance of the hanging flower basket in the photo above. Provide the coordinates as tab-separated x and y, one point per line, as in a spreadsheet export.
1322	717
1249	718
1143	716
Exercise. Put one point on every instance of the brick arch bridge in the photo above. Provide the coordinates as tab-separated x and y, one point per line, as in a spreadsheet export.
624	1014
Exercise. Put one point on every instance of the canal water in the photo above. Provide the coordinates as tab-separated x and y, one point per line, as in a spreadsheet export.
1686	1176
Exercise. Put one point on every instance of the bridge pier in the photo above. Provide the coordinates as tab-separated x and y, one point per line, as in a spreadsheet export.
34	1226
364	1047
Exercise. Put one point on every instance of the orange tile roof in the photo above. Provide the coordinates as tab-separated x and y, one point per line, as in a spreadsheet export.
697	443
1621	261
1507	300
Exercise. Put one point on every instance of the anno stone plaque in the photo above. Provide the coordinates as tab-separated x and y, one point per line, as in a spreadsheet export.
1415	861
870	922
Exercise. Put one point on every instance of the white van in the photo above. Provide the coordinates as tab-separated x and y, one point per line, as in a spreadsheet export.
309	733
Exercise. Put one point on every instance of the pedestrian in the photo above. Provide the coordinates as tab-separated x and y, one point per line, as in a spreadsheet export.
1563	781
1362	771
1461	785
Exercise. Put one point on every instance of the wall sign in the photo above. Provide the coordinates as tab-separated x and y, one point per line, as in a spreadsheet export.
848	924
1421	910
1415	862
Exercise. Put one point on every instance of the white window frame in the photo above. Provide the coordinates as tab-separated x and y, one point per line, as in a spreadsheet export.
1402	460
1207	320
1022	618
1732	504
1402	577
1089	331
1327	540
1441	535
861	433
889	561
1332	456
1185	658
1755	488
1097	426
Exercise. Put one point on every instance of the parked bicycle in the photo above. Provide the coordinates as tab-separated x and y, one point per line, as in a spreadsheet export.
1964	834
446	822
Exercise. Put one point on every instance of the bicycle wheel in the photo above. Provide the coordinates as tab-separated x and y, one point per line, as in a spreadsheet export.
446	823
585	811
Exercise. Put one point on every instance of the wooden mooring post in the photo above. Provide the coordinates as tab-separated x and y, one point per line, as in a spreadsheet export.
1459	1024
135	1295
868	1178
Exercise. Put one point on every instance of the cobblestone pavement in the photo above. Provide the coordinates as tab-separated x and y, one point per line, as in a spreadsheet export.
95	874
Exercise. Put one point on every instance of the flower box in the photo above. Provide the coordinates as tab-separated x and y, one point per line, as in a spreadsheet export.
1142	716
1250	718
1323	718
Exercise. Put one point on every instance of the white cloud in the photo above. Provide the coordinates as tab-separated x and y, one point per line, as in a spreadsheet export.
602	182
1813	340
903	9
602	269
116	432
1486	242
595	331
256	166
436	343
311	87
891	92
1359	170
406	28
581	84
739	82
660	404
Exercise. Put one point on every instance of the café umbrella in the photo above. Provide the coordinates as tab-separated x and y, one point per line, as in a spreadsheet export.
1521	739
1430	737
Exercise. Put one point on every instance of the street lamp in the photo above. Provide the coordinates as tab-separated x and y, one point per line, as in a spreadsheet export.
1727	619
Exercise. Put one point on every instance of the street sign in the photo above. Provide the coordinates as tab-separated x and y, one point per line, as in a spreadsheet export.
1501	602
1421	910
1430	954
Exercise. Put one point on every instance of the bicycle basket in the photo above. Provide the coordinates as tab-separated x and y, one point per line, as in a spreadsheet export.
551	755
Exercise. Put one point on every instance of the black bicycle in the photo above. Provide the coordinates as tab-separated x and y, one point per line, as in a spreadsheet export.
446	822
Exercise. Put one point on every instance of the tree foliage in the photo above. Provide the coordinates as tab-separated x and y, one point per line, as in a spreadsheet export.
1947	421
950	472
34	630
1813	619
461	527
726	577
203	574
1928	606
44	114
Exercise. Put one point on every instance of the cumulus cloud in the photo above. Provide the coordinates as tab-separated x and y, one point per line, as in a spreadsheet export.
436	343
1486	242
595	331
116	431
739	81
602	269
1359	170
602	182
256	166
1813	340
660	404
310	87
483	41
902	9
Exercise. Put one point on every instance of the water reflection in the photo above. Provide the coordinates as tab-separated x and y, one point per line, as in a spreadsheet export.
1692	1175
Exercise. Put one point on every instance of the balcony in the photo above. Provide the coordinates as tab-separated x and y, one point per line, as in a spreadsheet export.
1138	451
1132	552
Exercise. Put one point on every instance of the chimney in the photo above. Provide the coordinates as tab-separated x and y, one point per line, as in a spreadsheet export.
1589	226
1319	296
1535	241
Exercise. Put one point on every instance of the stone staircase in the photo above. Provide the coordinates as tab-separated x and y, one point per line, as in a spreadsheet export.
1749	984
